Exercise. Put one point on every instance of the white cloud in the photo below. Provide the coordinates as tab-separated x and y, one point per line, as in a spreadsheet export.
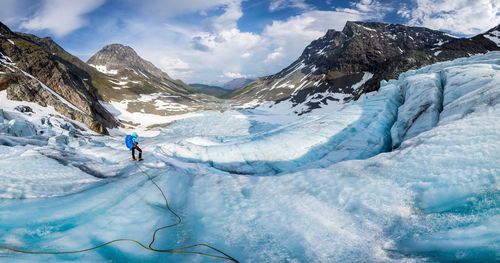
61	16
246	55
173	8
372	7
467	17
229	18
175	66
312	24
276	54
286	39
212	47
210	51
404	12
234	75
13	11
221	50
276	5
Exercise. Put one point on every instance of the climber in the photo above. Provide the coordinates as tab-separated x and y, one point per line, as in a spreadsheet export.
132	142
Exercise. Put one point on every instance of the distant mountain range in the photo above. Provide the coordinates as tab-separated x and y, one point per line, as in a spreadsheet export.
237	83
223	90
342	65
209	90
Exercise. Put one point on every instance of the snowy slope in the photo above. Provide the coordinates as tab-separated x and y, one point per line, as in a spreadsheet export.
433	197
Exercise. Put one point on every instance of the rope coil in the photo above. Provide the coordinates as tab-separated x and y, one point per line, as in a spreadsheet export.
177	250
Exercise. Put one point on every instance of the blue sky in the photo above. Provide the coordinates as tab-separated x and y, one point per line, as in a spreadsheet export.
217	40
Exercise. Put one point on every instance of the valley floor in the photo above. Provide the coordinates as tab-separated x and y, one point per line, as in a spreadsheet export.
407	174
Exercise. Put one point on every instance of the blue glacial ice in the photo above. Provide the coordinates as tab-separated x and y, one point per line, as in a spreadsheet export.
406	174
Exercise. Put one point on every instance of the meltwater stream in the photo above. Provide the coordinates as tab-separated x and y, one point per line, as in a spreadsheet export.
379	180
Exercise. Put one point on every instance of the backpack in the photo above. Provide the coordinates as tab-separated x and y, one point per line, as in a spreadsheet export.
129	142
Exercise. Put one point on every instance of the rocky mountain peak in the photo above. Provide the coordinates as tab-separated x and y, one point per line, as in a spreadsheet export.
360	45
117	52
117	57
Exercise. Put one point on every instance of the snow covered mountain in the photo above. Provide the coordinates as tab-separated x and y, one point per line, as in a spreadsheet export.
342	65
408	173
38	70
137	74
134	89
492	35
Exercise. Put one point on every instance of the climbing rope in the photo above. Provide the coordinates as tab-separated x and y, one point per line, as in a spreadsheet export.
177	250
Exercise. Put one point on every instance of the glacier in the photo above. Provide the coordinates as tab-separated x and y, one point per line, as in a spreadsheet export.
406	174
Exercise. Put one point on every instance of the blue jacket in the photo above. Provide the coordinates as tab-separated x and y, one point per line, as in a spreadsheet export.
135	140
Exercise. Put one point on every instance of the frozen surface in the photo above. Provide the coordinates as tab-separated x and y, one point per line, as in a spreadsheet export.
31	174
407	174
301	142
142	121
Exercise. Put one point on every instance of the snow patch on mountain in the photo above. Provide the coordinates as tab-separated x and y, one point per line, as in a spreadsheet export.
103	69
494	36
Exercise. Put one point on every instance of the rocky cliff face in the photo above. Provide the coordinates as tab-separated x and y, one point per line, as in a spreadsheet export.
38	70
342	65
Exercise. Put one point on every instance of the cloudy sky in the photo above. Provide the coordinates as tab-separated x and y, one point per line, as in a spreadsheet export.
211	41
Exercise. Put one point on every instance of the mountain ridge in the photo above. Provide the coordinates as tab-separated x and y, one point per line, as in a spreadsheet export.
330	66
